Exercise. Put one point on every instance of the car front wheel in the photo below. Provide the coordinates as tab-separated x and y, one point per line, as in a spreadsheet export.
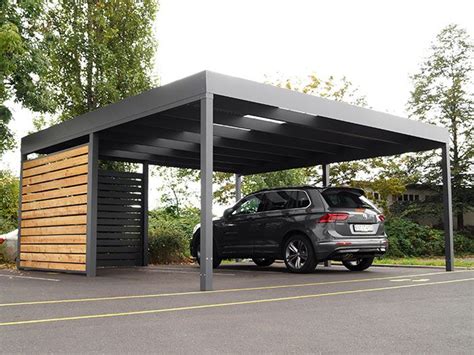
358	264
299	254
263	261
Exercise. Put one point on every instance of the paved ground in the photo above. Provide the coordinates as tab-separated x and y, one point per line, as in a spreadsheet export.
157	309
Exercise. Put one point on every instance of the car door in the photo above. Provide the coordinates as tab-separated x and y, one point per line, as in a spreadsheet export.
273	221
238	229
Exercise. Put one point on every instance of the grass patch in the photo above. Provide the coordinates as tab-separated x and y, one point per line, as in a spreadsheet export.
458	262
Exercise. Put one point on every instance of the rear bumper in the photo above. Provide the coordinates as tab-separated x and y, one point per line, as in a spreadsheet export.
347	248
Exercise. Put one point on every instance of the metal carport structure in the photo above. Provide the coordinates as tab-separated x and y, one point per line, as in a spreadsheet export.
214	122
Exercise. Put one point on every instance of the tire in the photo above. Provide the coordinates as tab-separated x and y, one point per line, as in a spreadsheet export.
299	254
216	260
263	261
358	264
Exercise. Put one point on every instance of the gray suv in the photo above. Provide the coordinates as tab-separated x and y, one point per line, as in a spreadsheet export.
302	226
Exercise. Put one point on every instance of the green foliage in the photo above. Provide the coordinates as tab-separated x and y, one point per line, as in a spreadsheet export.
443	96
409	239
100	52
9	191
170	234
23	62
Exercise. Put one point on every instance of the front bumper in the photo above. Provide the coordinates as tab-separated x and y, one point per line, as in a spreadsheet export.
344	249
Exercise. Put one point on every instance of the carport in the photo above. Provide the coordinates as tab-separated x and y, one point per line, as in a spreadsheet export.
74	217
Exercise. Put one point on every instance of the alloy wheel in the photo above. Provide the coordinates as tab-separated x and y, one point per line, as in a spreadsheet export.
296	254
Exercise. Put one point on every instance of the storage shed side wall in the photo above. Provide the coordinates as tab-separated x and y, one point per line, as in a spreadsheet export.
54	211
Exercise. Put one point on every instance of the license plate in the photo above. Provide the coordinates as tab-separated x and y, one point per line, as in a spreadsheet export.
363	228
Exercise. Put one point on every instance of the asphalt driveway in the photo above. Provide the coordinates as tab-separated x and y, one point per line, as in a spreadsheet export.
252	310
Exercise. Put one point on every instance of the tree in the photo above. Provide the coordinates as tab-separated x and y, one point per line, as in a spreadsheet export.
443	96
23	63
100	51
9	190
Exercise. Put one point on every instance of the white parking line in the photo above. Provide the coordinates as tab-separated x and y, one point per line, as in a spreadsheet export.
29	277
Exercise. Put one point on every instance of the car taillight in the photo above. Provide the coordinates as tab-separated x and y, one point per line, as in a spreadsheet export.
381	217
333	217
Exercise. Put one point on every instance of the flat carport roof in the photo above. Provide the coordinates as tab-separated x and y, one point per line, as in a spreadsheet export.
215	122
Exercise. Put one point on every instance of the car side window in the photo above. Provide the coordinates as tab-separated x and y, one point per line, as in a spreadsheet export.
276	200
285	199
302	200
252	204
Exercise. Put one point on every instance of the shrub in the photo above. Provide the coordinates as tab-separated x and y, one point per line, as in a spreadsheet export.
409	239
9	190
169	235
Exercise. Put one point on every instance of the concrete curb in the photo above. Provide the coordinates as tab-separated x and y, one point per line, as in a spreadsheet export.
420	266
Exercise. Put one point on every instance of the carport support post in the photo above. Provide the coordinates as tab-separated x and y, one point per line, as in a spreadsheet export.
327	263
325	175
207	108
238	187
92	185
145	214
447	210
18	242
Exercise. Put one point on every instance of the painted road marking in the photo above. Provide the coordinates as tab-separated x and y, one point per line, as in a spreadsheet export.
258	288
29	277
227	304
412	280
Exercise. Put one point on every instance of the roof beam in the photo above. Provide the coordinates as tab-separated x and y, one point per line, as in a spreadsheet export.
183	125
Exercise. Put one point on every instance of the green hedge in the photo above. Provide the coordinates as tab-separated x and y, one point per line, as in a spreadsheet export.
409	239
169	235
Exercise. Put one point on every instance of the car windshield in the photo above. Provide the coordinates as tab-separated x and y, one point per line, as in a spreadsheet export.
347	199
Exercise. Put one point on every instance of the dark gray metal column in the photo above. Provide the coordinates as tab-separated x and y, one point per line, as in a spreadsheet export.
325	175
238	187
92	186
447	210
325	167
145	214
206	136
18	245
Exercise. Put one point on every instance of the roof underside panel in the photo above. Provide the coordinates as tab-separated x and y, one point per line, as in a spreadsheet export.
251	138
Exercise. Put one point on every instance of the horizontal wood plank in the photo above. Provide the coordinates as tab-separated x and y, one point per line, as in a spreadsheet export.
53	248
54	230
58	202
52	266
55	239
56	184
54	212
68	191
56	157
79	160
62	258
59	174
54	221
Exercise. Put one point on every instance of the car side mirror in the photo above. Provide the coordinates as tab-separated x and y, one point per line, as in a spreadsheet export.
227	212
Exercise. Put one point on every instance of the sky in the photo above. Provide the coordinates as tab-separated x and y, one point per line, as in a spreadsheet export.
377	45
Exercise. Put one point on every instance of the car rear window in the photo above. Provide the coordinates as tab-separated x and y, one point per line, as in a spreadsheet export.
346	199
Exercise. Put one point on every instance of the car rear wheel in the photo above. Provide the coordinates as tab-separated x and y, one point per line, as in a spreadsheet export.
358	264
299	255
263	261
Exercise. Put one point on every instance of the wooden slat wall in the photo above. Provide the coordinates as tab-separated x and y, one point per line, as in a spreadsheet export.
119	224
54	211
